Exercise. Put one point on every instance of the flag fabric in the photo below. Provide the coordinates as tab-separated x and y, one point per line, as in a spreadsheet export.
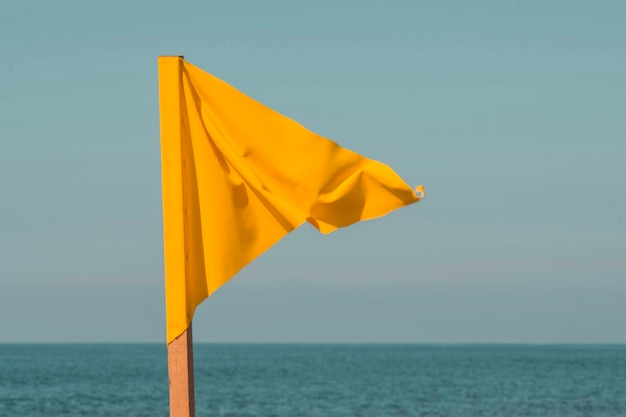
238	176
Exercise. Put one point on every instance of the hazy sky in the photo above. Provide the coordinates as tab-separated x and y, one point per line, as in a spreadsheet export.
511	113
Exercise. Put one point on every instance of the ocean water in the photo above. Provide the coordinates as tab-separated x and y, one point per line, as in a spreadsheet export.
318	380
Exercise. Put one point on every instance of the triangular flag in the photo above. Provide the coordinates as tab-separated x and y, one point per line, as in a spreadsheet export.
238	176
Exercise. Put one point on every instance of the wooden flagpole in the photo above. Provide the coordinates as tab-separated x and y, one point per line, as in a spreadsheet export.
180	350
180	369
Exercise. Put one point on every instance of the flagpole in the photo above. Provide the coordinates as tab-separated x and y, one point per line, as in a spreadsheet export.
180	350
180	369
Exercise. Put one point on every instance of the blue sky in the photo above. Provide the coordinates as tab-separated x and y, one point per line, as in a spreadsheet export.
510	113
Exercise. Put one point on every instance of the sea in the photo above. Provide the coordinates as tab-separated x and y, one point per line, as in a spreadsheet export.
318	380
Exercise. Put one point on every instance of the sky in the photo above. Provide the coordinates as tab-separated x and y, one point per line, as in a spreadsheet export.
511	113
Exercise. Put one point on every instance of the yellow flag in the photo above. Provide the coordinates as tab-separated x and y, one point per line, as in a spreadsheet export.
238	176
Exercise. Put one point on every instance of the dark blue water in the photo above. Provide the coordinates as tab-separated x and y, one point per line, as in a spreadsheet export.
318	380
